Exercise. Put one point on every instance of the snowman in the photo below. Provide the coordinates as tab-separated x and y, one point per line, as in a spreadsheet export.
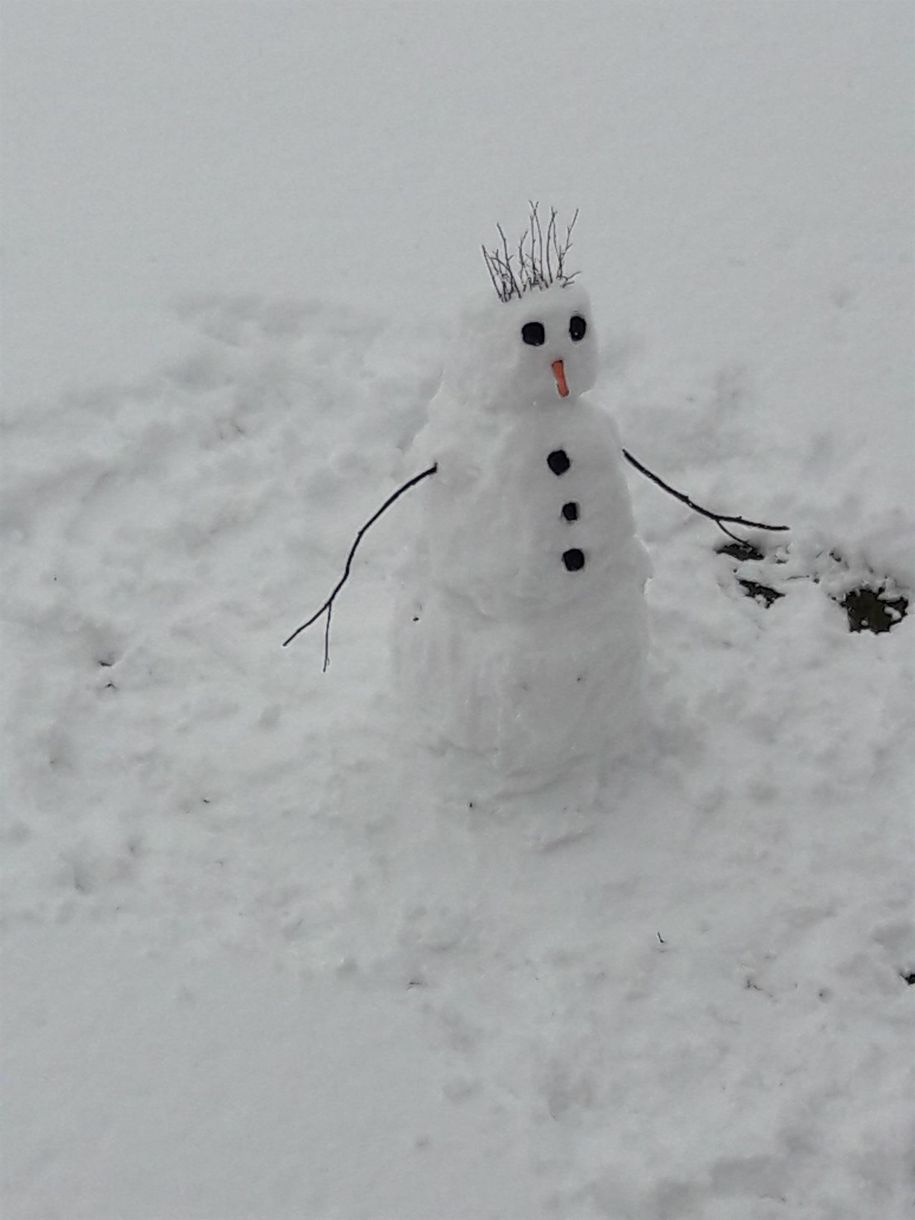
520	638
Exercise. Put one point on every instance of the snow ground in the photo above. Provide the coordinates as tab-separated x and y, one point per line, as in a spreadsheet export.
253	965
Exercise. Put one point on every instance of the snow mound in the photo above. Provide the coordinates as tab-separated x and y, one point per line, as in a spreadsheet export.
230	893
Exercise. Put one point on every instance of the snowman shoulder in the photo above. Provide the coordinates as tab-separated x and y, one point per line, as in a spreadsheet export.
441	447
421	451
600	415
598	423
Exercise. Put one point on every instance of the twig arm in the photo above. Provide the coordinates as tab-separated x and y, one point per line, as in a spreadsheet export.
697	508
329	604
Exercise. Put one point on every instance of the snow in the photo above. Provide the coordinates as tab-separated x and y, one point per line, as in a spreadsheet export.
253	965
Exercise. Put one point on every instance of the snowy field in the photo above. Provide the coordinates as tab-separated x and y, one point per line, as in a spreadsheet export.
253	967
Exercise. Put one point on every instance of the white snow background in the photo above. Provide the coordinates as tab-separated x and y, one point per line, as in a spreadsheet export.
250	969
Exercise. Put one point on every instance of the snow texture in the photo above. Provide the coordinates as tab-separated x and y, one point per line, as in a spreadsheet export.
253	963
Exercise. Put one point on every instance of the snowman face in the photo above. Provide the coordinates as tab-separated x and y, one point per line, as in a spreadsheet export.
558	358
539	351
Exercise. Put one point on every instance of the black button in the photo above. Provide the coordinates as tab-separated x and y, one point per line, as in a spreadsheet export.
558	461
570	511
574	559
533	333
577	327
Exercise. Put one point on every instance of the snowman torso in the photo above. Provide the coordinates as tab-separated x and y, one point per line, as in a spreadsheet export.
537	521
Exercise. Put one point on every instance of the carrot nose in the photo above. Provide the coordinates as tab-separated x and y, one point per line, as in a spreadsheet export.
559	373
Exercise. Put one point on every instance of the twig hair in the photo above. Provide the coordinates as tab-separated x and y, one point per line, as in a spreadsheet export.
539	260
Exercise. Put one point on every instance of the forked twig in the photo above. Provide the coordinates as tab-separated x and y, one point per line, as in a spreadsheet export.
697	508
329	604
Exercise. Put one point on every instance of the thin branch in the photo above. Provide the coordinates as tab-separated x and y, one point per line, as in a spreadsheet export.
697	508
504	274
550	230
515	287
567	246
569	227
508	257
536	242
536	222
724	529
329	604
522	264
499	287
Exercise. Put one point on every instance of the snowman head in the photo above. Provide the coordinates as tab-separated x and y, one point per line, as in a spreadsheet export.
535	346
531	352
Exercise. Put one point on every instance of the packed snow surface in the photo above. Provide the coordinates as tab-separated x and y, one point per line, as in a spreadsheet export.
255	962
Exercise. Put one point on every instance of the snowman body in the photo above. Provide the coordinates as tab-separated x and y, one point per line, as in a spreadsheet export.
521	638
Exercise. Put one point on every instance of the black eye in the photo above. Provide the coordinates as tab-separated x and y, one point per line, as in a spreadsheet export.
533	333
577	327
